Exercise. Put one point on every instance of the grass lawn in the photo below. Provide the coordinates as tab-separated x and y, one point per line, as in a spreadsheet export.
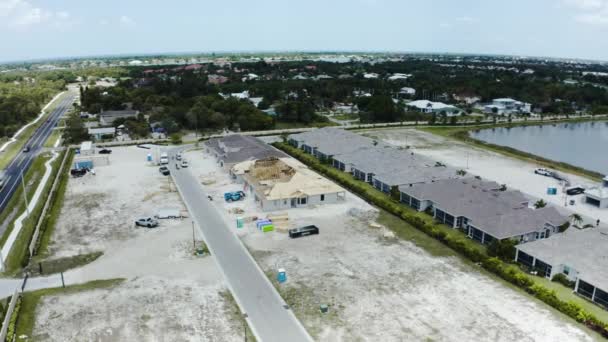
13	261
346	117
30	300
566	293
55	134
12	149
288	125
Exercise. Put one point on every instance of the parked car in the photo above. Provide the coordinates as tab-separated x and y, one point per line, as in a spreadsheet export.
184	163
164	158
544	172
105	151
178	156
234	196
303	231
577	190
146	222
78	172
26	149
164	170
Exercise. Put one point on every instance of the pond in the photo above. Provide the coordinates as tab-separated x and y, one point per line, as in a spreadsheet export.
581	144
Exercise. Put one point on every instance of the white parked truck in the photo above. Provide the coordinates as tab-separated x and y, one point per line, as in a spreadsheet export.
164	158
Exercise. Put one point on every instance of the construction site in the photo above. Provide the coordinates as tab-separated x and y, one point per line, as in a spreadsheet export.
355	272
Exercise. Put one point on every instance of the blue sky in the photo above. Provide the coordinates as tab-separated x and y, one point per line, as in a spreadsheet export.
31	29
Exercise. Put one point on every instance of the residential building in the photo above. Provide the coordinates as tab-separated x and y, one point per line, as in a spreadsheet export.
217	79
106	118
407	91
581	255
506	106
345	108
324	143
426	106
386	167
236	148
102	132
598	196
398	76
466	99
483	210
283	183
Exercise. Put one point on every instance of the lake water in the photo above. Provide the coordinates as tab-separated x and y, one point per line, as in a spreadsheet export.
583	144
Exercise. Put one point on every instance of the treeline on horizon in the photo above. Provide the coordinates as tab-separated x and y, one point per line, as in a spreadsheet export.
177	98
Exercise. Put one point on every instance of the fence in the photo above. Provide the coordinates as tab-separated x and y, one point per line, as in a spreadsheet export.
34	240
9	314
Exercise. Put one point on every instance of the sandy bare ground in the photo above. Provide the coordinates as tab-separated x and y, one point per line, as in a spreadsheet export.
516	174
169	293
380	288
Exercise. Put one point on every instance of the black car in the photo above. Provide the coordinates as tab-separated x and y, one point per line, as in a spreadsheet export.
26	149
575	191
164	170
78	172
105	151
303	231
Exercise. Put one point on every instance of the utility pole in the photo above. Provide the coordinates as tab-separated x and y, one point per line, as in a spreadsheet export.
193	240
27	207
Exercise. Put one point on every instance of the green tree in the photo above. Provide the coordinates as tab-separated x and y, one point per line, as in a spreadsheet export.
540	204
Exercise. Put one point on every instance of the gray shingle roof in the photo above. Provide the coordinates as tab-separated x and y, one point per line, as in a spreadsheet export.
334	141
502	214
237	148
584	250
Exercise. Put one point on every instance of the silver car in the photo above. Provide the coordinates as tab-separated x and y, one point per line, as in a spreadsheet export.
146	222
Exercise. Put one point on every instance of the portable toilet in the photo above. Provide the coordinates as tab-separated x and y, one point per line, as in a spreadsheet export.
239	222
149	157
281	276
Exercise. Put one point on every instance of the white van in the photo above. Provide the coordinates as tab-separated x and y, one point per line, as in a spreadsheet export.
164	158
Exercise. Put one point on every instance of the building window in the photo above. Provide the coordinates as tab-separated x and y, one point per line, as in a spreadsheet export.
322	198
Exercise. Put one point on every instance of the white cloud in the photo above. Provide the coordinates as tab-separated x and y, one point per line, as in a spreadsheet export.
126	21
21	14
594	12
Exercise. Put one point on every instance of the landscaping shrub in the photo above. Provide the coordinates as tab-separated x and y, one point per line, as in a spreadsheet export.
562	279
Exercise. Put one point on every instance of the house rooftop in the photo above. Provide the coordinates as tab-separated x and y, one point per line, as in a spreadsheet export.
585	250
236	148
102	130
334	141
501	214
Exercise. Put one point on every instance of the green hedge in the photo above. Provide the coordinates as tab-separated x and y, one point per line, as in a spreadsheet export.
458	242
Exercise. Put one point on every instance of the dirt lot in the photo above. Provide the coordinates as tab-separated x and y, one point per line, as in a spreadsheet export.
169	293
380	288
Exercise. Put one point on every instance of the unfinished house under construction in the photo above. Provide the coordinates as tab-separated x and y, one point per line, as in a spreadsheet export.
283	183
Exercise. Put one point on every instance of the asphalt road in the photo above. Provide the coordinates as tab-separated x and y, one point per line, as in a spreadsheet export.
23	160
267	314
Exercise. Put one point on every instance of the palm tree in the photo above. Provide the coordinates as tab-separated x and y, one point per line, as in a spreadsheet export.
540	204
576	219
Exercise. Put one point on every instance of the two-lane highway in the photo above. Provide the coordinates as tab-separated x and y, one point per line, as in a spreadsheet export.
268	316
22	161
